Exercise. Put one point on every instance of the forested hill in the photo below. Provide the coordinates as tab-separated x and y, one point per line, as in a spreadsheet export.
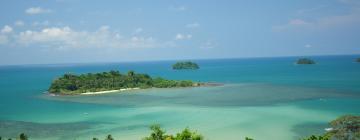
112	80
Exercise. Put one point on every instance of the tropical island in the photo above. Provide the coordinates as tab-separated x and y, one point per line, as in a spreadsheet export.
112	81
185	65
305	61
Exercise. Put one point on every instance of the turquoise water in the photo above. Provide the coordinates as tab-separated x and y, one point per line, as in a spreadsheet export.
263	98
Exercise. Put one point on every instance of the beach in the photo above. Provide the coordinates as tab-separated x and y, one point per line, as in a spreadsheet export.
108	91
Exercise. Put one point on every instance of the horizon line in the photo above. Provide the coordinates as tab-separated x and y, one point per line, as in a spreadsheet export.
182	59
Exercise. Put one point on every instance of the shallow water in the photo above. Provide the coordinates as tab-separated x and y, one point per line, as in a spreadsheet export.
263	98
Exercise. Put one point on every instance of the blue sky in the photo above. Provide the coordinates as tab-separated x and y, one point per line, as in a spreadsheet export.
76	31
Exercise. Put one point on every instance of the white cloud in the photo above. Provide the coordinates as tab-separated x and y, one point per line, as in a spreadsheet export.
181	8
37	10
192	25
19	23
148	42
178	8
207	45
47	35
293	24
333	21
43	23
104	28
138	30
6	29
182	36
307	46
297	22
65	37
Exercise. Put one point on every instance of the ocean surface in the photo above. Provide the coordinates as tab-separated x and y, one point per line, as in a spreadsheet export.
262	98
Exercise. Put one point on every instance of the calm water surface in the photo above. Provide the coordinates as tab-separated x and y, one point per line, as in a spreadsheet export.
263	98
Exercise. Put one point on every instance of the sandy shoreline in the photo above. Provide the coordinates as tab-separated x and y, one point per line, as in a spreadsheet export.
98	92
108	91
209	84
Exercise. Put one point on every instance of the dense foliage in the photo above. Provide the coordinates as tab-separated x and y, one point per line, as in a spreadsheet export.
159	134
343	128
185	65
305	61
346	127
313	137
22	136
113	80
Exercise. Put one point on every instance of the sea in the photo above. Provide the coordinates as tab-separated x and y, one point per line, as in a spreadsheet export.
261	98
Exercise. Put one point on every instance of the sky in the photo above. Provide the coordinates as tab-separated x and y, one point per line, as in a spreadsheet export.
81	31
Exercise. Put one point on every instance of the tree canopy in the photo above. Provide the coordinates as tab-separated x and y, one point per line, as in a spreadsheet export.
185	65
159	134
346	127
305	61
112	80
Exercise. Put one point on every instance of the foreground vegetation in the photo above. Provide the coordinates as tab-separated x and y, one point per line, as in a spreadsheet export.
113	80
159	134
305	61
185	65
343	128
346	127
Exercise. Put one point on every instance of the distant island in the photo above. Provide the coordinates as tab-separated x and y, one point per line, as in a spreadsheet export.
185	65
305	61
358	60
113	81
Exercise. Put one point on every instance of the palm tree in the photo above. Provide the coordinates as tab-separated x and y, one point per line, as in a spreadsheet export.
23	136
131	73
109	137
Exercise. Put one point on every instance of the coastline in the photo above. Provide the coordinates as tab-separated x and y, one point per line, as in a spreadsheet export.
108	91
209	84
94	93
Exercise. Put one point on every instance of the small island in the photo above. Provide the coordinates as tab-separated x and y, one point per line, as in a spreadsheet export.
185	65
358	60
113	81
305	61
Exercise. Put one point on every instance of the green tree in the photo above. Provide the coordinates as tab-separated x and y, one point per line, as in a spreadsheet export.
23	136
159	134
346	127
109	137
186	134
185	65
305	61
113	80
156	134
247	138
313	137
